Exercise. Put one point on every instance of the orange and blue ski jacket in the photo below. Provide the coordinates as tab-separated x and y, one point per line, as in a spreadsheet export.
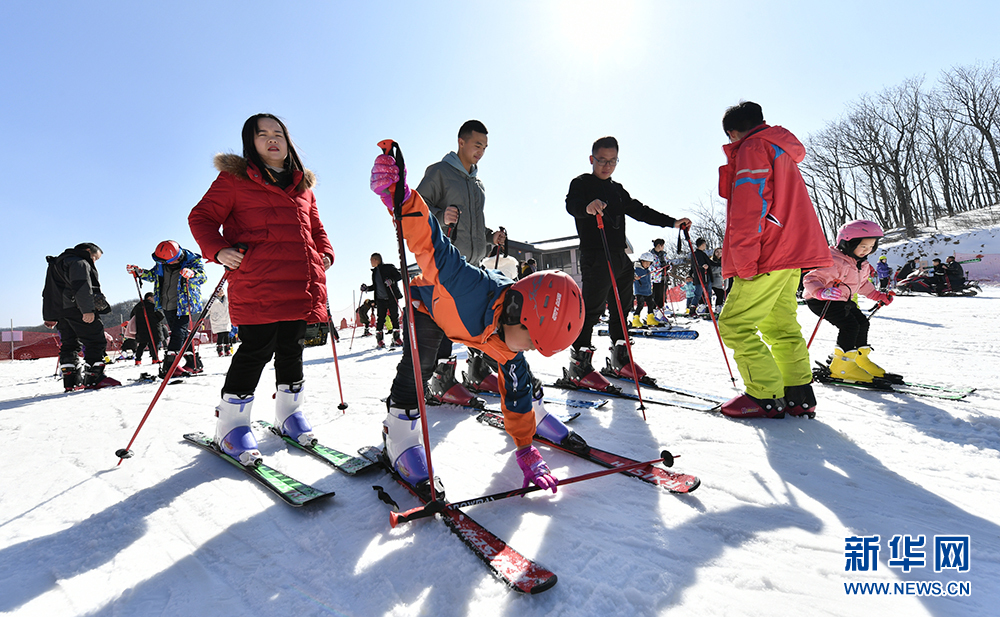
466	303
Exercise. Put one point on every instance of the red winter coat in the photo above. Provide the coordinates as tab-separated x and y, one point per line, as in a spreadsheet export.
281	277
771	224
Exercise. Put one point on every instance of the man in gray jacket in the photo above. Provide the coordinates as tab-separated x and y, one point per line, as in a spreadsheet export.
455	196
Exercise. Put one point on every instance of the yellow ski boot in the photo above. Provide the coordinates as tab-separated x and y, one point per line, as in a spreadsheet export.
844	366
865	362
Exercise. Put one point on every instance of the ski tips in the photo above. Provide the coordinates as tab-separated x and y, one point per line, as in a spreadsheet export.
386	145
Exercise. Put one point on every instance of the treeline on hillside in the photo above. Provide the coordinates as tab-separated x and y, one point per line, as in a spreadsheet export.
911	153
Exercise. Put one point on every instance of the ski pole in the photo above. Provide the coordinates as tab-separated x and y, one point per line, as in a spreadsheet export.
431	509
621	315
708	302
126	452
816	329
336	364
149	328
821	316
389	146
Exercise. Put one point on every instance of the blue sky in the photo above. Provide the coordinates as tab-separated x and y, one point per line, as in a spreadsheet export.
113	110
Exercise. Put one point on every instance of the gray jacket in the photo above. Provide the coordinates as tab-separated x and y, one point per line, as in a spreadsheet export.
448	184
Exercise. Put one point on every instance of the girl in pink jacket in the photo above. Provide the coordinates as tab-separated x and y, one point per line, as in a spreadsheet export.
829	293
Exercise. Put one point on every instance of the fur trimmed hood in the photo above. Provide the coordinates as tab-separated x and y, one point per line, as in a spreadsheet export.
237	165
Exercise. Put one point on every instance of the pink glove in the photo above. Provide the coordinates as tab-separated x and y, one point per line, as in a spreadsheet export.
831	293
385	175
535	470
885	298
133	270
187	272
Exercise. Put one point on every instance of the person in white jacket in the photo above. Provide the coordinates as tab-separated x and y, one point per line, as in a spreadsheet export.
218	316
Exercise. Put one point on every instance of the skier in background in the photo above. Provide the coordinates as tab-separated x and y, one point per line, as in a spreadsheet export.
177	276
385	288
643	290
658	276
883	272
72	303
718	283
218	317
142	310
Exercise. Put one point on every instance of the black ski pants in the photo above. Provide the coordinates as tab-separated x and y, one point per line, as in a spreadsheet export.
386	306
598	292
429	336
283	340
851	322
178	330
76	334
659	292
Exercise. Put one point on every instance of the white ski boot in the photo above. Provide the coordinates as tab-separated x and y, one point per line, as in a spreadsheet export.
404	449
287	416
232	430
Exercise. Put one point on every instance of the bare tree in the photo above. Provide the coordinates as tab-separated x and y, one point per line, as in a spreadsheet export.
972	97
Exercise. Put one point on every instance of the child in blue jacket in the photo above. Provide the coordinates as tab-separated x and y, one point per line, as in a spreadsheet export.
884	273
643	291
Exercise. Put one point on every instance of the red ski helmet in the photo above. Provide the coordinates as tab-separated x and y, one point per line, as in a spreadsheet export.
850	234
549	304
168	251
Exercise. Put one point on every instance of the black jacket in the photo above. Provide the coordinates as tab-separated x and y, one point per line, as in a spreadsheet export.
72	286
390	277
155	317
588	187
701	259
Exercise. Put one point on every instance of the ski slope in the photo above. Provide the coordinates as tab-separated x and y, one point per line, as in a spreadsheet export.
175	531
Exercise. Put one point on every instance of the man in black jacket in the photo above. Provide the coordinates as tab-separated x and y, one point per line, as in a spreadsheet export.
591	194
701	266
72	302
384	284
144	329
954	274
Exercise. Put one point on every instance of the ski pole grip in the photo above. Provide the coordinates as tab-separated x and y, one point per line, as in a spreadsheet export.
425	511
600	220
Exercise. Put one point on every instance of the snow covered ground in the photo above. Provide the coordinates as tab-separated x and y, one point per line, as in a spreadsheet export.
176	531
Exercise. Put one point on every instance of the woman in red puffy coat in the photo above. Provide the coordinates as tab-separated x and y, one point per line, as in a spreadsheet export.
264	200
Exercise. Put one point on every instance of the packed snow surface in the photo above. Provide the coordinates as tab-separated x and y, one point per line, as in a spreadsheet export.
176	531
